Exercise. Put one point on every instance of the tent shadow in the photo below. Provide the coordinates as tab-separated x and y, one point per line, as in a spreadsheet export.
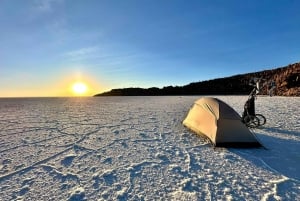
281	155
282	132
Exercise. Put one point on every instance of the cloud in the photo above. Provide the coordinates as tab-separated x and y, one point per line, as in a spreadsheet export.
82	53
106	56
46	5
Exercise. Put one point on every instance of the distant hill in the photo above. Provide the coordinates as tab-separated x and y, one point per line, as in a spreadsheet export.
287	80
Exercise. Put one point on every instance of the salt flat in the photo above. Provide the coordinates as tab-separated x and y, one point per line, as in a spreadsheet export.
135	148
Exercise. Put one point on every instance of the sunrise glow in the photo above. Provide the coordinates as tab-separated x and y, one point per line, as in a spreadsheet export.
79	88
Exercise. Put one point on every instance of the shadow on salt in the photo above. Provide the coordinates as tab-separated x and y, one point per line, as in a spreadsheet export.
281	155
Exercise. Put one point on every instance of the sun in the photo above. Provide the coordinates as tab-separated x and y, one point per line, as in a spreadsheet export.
79	88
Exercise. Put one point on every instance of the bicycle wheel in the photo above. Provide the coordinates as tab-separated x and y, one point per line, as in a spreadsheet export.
251	121
262	119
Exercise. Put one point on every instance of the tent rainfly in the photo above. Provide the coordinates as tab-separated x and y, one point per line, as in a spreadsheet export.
214	119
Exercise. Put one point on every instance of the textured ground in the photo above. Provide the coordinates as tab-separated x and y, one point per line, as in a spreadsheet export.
135	148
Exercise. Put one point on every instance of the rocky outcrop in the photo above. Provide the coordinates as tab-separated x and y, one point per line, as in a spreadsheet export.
286	79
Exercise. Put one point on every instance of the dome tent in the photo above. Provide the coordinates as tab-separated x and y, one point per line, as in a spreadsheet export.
214	119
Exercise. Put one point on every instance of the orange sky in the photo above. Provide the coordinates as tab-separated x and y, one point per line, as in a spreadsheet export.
60	86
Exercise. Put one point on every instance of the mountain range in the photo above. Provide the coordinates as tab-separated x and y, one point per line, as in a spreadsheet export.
286	79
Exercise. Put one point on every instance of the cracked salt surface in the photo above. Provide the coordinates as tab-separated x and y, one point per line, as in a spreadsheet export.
135	148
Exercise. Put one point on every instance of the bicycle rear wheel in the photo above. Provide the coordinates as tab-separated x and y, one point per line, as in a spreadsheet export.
262	119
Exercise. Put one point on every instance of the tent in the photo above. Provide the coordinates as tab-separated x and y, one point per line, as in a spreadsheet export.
214	119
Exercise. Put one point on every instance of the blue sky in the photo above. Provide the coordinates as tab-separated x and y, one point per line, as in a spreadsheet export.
48	44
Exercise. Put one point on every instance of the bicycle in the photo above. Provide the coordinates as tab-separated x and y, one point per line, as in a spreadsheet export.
250	118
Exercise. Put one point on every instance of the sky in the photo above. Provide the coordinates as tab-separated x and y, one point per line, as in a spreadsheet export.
48	45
